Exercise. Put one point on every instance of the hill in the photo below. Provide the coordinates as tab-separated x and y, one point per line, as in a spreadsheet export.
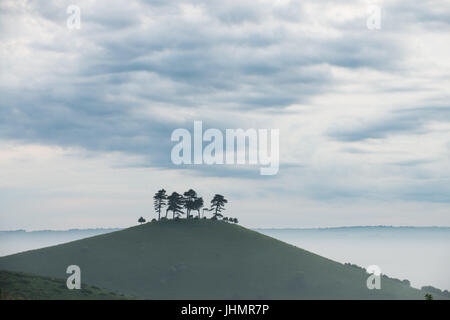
22	286
204	259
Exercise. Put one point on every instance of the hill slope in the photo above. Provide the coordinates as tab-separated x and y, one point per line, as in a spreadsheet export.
22	286
203	259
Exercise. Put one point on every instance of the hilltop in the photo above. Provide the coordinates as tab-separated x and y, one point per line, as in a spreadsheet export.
204	259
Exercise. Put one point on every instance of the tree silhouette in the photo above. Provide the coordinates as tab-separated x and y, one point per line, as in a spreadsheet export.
218	205
160	201
189	198
428	296
197	205
189	201
141	220
175	204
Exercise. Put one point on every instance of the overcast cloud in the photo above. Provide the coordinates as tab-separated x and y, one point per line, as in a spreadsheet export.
86	115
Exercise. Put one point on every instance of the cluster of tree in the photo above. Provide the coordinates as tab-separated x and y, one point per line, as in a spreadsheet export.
187	203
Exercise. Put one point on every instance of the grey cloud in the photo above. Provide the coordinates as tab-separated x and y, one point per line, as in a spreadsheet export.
411	121
354	150
412	163
124	65
429	14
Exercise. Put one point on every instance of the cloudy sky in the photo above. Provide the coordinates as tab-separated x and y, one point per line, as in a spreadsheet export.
86	114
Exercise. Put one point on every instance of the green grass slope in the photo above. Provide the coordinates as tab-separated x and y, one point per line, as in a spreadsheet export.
203	259
23	286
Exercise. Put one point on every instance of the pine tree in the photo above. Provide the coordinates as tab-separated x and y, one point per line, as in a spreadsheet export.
175	204
159	201
189	198
218	205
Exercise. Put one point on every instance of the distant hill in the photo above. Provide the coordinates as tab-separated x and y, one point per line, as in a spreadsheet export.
204	259
419	254
23	286
363	228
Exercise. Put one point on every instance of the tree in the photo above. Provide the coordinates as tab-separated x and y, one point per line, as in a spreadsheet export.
197	205
428	296
141	220
189	197
175	204
159	201
218	205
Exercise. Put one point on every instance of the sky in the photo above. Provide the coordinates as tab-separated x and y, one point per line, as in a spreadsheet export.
363	113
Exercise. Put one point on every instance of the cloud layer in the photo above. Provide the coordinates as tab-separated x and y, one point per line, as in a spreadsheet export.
363	114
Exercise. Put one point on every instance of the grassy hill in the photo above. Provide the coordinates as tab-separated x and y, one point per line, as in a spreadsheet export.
23	286
204	259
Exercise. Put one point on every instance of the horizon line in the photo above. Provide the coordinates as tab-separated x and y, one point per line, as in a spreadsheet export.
251	228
